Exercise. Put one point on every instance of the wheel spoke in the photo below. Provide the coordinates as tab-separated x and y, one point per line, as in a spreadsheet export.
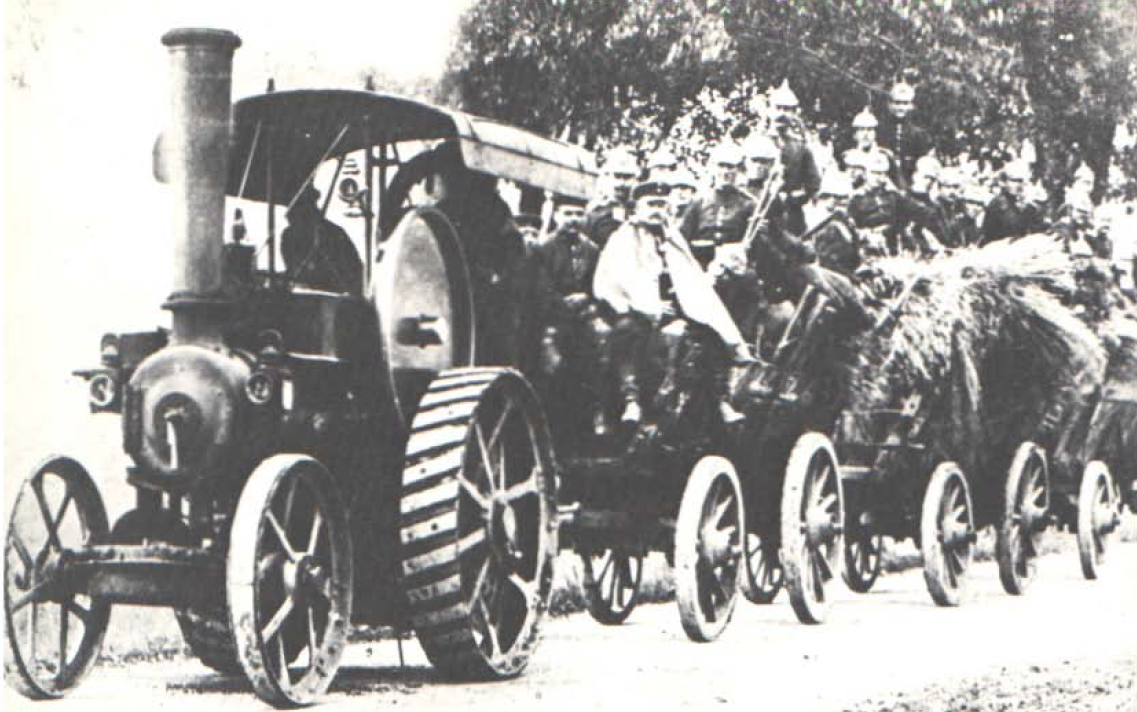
63	621
527	589
474	539
33	595
33	623
314	536
827	503
21	550
720	511
495	433
823	567
282	661
474	493
277	620
613	584
313	643
78	611
479	584
523	489
484	451
281	535
608	559
48	520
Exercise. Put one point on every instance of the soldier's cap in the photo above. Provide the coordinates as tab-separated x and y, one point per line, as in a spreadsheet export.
528	220
836	183
561	199
758	145
727	153
975	193
876	162
1017	170
621	160
684	178
784	96
662	157
865	120
651	189
902	91
929	165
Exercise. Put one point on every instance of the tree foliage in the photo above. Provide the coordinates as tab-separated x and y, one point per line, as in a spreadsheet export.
990	73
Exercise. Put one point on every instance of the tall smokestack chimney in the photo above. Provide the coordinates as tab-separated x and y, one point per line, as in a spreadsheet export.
196	145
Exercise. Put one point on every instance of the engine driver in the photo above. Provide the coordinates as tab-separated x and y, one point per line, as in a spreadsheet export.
317	252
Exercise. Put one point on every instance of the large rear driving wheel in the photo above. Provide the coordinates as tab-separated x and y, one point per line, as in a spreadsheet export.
478	532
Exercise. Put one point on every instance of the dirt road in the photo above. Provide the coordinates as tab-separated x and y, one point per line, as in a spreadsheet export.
887	645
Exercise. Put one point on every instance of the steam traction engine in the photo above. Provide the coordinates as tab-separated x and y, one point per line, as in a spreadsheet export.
303	459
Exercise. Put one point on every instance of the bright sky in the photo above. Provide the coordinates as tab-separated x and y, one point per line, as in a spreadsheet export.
84	225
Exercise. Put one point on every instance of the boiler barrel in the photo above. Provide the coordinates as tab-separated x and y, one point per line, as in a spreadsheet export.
196	145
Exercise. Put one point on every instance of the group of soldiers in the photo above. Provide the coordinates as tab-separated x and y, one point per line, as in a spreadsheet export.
654	261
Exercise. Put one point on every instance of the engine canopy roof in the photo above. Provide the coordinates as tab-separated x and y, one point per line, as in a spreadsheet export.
293	132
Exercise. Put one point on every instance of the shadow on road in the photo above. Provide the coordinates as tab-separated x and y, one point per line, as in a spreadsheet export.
349	680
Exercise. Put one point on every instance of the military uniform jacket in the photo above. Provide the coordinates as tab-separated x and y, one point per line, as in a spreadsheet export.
801	179
566	265
716	218
604	219
1008	218
907	142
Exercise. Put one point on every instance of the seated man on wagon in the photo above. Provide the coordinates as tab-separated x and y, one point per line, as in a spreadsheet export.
318	253
661	297
573	324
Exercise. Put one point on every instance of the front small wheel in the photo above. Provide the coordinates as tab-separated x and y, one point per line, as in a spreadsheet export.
947	533
764	576
58	510
289	579
862	552
612	583
812	526
708	548
1026	501
1099	515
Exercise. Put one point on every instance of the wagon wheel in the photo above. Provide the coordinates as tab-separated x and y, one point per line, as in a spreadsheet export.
812	524
1099	515
708	548
862	553
612	583
764	576
289	578
1026	500
947	534
58	509
478	533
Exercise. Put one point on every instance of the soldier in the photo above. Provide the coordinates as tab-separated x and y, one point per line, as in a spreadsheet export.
1077	230
683	189
574	329
661	165
835	238
649	278
720	216
959	231
974	199
903	138
621	171
1011	214
800	175
874	208
530	227
864	143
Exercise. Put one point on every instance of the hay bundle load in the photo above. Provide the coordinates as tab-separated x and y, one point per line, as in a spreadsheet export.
984	338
